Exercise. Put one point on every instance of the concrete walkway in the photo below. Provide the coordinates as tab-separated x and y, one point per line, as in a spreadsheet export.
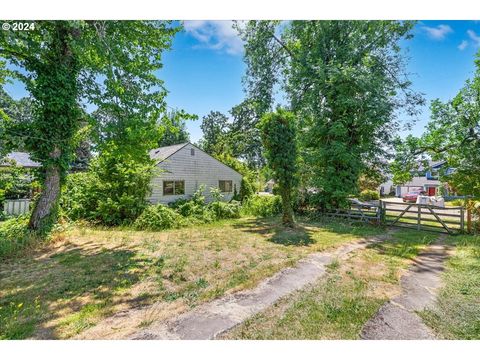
211	319
397	320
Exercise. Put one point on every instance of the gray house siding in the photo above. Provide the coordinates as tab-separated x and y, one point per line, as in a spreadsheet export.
195	170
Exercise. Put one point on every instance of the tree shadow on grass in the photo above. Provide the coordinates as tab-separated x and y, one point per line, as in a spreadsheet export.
76	281
302	234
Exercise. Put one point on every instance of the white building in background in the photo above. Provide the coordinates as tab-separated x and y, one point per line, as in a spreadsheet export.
183	168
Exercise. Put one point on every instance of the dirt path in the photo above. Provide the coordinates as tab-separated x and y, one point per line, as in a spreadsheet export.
397	320
211	319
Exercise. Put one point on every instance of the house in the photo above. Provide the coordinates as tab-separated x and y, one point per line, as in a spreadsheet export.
183	168
269	186
426	179
21	159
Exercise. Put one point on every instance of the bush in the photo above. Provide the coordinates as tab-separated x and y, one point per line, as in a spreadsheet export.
15	236
223	210
367	195
158	217
263	205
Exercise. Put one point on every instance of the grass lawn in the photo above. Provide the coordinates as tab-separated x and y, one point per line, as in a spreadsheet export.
457	314
338	306
87	274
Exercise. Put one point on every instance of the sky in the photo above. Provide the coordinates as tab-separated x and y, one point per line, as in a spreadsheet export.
203	71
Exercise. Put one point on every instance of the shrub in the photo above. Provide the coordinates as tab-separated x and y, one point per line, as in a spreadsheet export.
158	217
15	235
223	210
367	195
263	205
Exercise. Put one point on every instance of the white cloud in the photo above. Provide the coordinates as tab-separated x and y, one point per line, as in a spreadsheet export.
463	45
475	38
216	35
439	32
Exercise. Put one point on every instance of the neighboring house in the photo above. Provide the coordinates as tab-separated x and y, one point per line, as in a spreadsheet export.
21	159
183	168
269	186
426	179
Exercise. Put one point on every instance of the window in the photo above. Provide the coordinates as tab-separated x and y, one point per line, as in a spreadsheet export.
225	185
176	187
192	151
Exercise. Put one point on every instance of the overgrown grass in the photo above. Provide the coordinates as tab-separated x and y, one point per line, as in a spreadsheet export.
457	311
67	287
15	236
338	306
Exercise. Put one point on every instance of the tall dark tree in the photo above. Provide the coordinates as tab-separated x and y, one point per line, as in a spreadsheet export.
215	128
175	128
63	63
279	139
346	81
244	136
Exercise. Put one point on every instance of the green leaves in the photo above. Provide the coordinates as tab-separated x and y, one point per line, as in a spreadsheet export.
279	139
453	135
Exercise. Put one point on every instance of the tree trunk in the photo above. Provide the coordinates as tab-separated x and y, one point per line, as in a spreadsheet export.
287	218
48	199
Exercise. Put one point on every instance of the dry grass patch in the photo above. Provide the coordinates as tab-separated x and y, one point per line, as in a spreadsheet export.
75	283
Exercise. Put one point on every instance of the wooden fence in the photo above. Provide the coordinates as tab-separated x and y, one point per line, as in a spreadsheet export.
16	207
450	220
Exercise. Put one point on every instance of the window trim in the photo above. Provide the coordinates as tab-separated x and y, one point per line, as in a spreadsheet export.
226	181
174	187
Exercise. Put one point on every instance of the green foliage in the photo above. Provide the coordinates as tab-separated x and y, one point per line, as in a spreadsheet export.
453	135
367	195
215	128
345	81
15	182
279	139
158	217
15	236
112	192
224	210
65	63
258	205
175	129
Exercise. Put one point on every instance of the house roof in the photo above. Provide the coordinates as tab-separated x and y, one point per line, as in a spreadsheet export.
162	153
419	181
21	159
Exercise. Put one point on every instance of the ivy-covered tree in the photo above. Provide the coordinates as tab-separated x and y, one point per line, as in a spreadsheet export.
345	81
64	64
279	139
452	135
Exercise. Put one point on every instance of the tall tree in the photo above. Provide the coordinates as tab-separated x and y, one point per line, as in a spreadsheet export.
346	81
175	128
452	135
279	139
244	136
62	64
215	127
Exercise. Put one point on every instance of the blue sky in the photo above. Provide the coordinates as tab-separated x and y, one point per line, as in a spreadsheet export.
204	69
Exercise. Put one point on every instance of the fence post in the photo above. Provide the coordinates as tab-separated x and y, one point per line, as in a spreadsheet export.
419	216
469	220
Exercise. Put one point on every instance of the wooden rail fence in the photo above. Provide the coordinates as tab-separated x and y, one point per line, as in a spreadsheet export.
450	220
